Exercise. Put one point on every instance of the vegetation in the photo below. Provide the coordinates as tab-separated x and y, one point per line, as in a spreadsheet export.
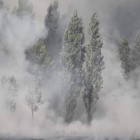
78	59
71	57
92	68
53	41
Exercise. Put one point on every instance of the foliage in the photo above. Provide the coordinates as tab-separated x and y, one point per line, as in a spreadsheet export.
71	58
37	54
92	68
39	62
53	41
125	56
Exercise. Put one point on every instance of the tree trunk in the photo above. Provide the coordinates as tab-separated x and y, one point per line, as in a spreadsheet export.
32	114
89	116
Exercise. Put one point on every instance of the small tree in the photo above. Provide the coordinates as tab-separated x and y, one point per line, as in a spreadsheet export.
34	99
125	57
72	61
39	64
70	97
10	87
92	68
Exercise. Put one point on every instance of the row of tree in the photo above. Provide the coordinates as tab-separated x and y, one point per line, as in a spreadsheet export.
82	63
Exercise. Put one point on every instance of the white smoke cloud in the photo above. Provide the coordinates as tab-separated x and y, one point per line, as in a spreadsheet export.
117	113
17	34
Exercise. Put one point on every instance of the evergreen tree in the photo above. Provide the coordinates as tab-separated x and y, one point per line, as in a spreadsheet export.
37	54
53	41
92	68
24	8
125	57
72	61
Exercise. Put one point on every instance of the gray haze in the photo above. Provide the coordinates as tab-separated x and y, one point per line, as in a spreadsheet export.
118	107
121	16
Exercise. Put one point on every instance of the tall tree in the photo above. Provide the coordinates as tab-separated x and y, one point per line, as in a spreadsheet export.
125	56
92	68
53	41
39	63
37	54
72	61
24	8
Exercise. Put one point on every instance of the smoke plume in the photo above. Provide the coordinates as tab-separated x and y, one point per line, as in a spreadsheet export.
117	111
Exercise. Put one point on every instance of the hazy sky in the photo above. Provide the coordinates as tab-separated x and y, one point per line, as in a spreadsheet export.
40	6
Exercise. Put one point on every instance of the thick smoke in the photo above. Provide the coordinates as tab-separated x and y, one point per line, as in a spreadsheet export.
16	36
117	111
